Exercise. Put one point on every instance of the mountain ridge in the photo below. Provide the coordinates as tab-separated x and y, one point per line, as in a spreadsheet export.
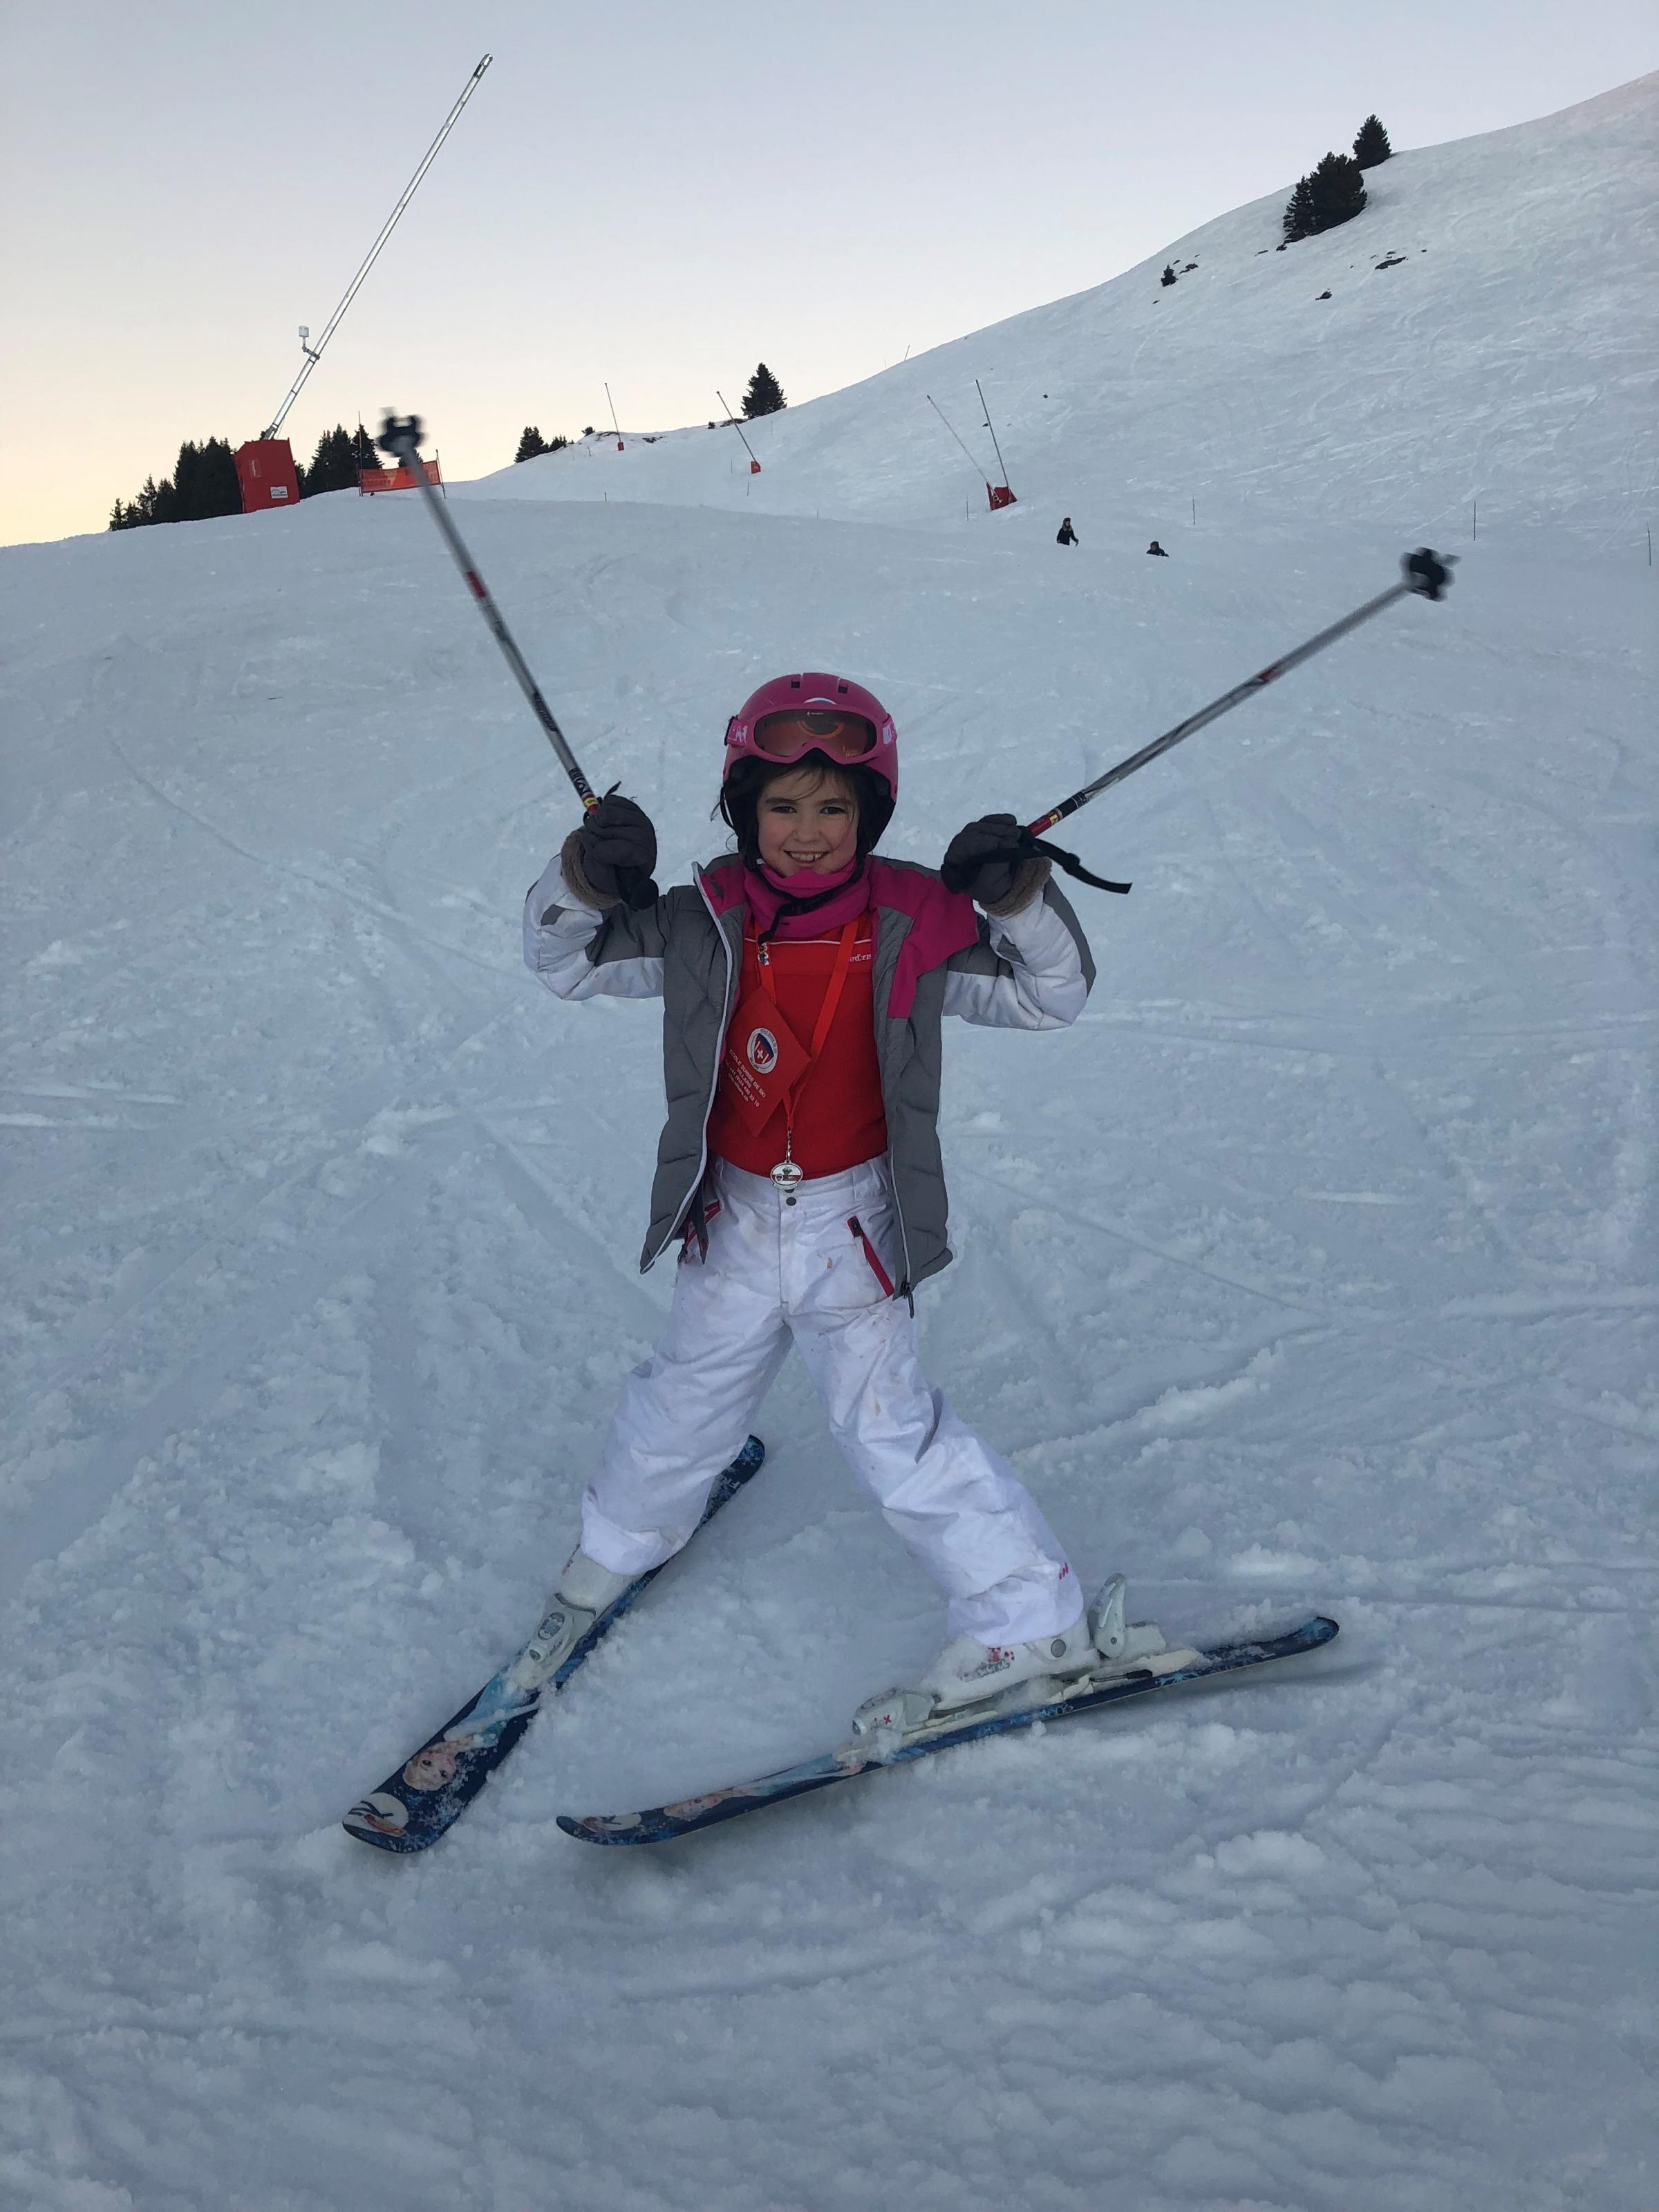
1484	337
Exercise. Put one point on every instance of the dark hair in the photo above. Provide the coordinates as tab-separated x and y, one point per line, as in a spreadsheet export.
740	798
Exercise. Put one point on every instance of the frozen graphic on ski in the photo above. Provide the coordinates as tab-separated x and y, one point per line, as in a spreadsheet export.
423	1798
1155	1670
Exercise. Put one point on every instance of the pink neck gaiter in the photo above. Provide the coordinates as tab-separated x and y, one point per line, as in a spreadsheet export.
776	901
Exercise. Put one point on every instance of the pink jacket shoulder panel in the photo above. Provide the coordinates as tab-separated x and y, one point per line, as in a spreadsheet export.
722	883
942	922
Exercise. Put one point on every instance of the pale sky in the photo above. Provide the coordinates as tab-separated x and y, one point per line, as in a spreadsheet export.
655	194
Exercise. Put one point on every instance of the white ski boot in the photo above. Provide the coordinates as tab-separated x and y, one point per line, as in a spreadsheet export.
968	1675
585	1591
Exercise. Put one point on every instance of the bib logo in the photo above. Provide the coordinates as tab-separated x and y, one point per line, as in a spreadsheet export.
762	1051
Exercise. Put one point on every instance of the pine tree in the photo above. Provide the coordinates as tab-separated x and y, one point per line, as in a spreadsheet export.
1169	275
531	444
186	472
1300	212
764	395
199	501
222	488
118	517
364	451
1371	145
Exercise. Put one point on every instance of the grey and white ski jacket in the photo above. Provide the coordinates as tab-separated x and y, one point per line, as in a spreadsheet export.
1030	968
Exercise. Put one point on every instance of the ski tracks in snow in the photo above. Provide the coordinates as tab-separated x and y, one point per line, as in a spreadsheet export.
1310	1269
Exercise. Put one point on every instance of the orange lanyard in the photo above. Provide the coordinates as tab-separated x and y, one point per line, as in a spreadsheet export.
826	1014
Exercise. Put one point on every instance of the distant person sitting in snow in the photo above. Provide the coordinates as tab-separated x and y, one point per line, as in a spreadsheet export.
1155	548
1066	535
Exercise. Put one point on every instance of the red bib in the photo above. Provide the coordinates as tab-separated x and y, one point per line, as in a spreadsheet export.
822	1102
762	1064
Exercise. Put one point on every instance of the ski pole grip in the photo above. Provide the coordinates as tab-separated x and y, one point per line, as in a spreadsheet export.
1428	573
401	434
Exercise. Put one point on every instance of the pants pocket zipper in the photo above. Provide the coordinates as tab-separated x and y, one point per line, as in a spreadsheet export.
871	1254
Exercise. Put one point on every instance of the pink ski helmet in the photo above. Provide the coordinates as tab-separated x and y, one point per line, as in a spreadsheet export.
815	713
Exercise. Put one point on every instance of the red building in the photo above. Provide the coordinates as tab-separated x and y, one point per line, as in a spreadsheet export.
264	469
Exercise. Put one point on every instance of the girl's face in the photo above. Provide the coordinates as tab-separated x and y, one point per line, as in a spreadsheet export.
807	820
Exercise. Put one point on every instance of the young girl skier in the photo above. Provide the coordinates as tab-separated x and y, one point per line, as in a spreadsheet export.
805	980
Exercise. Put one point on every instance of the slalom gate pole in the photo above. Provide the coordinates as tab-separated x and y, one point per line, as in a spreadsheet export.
985	411
972	463
1424	573
754	466
401	434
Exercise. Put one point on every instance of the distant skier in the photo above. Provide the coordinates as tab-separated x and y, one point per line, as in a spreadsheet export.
798	1174
1066	535
1155	548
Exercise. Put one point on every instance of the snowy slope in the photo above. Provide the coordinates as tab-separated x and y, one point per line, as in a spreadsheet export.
1314	1268
1509	355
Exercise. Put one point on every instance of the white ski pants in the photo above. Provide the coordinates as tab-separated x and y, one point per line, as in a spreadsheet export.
776	1273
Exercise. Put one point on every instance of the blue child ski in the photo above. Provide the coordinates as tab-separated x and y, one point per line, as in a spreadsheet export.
423	1798
1160	1671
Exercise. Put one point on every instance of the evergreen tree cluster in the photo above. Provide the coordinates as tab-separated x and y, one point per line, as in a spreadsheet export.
203	483
340	454
1333	193
764	395
532	443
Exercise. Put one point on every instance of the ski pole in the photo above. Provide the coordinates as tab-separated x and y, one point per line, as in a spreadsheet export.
1426	573
401	434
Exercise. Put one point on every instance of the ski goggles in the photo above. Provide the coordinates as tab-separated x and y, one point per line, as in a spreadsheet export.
800	730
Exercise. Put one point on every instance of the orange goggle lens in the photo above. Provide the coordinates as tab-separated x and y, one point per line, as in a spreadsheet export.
847	737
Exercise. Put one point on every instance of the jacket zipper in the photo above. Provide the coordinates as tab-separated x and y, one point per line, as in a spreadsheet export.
906	1289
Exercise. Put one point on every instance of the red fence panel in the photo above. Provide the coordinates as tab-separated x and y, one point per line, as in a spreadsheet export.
398	479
